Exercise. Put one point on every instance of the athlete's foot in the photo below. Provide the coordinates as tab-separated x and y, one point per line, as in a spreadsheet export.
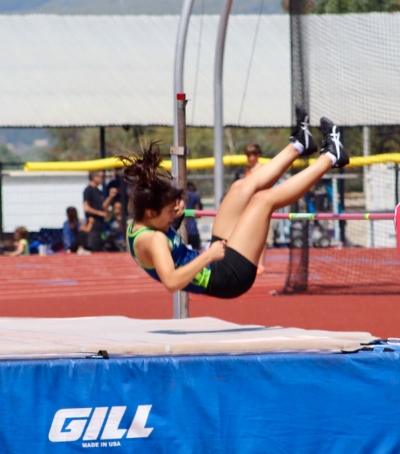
331	145
301	136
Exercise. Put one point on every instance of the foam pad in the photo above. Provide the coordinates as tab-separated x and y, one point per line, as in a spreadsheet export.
63	337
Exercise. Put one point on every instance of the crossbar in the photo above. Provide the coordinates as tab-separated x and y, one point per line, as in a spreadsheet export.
309	216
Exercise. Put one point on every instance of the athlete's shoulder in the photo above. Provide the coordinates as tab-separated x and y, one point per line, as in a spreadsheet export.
135	229
159	234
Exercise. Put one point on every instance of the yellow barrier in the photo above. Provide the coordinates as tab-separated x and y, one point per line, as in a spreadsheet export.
192	164
113	163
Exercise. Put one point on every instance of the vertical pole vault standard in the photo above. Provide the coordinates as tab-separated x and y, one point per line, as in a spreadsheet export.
178	68
181	299
181	305
218	105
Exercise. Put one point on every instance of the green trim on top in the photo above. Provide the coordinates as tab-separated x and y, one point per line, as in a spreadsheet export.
134	236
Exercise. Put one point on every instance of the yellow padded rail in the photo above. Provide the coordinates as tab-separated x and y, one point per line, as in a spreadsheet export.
192	164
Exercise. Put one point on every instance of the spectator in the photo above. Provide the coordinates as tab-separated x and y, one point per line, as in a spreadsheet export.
115	183
93	206
114	231
75	235
253	153
21	243
193	203
113	196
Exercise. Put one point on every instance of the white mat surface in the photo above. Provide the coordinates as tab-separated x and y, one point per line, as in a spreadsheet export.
64	337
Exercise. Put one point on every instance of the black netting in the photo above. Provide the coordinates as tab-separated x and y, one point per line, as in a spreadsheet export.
345	65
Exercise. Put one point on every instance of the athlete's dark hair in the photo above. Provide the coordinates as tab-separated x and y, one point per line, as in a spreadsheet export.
151	182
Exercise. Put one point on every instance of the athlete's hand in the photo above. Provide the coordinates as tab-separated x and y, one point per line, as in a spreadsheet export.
217	250
179	208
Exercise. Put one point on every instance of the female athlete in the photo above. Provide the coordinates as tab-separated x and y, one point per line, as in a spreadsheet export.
229	267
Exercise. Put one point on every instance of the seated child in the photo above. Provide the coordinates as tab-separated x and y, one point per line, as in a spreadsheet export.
21	243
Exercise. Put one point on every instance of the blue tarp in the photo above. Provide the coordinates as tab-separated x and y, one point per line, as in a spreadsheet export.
265	403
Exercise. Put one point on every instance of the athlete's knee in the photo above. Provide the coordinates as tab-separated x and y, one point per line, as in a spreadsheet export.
241	187
264	199
237	185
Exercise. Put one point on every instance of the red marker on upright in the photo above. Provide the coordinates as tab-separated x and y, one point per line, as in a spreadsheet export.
397	226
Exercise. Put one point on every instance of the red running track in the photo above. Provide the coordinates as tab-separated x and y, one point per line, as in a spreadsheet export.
112	284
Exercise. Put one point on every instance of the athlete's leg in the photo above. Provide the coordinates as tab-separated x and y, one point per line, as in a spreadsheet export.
241	191
249	235
265	177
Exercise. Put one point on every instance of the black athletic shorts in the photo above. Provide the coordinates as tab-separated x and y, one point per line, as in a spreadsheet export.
232	276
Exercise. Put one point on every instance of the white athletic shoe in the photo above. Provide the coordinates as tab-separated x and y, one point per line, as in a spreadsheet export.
82	251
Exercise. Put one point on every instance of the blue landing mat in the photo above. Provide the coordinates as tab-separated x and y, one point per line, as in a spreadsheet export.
265	403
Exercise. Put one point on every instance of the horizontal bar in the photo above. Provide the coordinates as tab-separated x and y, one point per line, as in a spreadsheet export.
195	164
310	216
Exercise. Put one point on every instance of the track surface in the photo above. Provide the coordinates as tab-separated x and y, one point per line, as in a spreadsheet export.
112	284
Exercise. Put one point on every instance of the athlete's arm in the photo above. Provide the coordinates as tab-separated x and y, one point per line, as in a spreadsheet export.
176	279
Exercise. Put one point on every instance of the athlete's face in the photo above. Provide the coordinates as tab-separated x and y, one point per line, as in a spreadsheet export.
164	220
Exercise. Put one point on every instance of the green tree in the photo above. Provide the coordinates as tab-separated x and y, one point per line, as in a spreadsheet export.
343	6
355	6
8	157
77	144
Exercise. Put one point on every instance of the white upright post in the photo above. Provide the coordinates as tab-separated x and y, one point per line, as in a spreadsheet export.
218	105
180	299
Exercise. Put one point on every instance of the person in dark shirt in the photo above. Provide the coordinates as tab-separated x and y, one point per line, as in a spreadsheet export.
93	206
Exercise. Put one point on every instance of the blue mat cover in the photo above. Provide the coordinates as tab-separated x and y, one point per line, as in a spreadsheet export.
267	403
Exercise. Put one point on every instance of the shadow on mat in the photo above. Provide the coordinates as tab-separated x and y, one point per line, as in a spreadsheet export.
233	330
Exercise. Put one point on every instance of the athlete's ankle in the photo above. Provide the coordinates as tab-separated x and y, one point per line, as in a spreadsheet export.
299	146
